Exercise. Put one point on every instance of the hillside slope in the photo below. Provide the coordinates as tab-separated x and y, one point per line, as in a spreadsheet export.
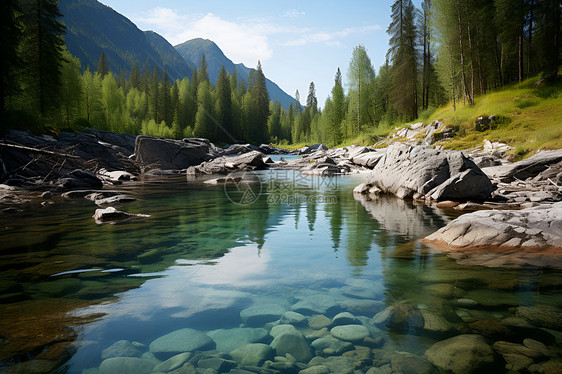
93	27
192	50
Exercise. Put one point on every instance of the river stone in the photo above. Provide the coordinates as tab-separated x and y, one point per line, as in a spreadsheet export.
281	329
318	369
467	353
411	364
361	292
552	366
344	318
363	307
293	318
117	199
258	315
292	342
350	333
220	365
173	362
542	315
109	214
337	364
400	317
229	339
252	354
329	342
504	348
125	365
405	171
121	348
315	304
434	324
536	346
183	340
444	290
319	322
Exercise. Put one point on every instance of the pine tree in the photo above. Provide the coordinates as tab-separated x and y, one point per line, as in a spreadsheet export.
402	53
71	88
311	100
204	125
42	51
102	65
258	91
203	71
337	112
154	99
135	77
361	76
165	109
10	36
224	107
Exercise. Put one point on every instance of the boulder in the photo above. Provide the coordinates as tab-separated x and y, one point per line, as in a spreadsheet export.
336	346
531	236
79	179
228	340
117	199
223	165
400	317
158	153
293	343
528	168
368	160
467	353
258	315
125	365
350	333
121	348
183	340
173	362
252	354
110	214
124	141
416	172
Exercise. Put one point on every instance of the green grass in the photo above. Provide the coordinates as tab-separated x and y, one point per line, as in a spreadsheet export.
529	119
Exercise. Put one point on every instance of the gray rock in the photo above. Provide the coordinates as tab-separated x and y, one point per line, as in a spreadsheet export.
281	329
318	369
319	322
315	304
344	318
337	346
183	340
464	354
350	333
224	165
258	315
336	364
173	362
110	214
228	340
368	160
252	354
121	348
512	229
117	199
528	168
172	154
125	365
125	142
436	325
80	179
362	307
294	343
293	318
400	317
408	172
220	365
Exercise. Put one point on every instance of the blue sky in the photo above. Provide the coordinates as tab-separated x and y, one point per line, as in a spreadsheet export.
296	41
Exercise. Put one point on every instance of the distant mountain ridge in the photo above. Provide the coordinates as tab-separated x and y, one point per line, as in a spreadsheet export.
192	50
93	27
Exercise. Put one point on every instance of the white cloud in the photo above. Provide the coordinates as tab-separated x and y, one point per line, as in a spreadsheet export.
332	39
293	13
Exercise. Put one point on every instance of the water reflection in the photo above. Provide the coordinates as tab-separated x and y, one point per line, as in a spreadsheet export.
200	259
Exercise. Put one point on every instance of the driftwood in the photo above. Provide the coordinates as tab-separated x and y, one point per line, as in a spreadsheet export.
36	150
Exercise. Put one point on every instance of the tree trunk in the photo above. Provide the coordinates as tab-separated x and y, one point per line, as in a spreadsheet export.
529	56
463	77
471	97
452	80
520	53
499	64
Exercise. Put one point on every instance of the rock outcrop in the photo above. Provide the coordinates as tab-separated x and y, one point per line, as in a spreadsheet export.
168	154
224	165
417	172
531	236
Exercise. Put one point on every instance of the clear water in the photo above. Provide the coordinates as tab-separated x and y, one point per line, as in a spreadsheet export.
71	288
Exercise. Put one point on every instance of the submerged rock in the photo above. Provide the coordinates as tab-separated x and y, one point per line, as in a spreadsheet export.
183	340
293	343
252	354
350	333
125	365
260	314
228	340
464	354
121	348
110	214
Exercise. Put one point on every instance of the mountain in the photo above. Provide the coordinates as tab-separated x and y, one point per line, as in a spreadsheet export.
93	27
192	50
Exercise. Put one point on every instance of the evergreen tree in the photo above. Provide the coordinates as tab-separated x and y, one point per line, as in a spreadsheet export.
42	51
135	77
203	71
224	107
10	36
204	125
361	77
165	109
336	113
298	107
71	89
311	100
402	53
260	96
154	99
102	65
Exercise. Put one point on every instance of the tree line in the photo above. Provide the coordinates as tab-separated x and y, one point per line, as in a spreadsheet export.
447	50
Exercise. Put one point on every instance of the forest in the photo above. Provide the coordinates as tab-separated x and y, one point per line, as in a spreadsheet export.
447	51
